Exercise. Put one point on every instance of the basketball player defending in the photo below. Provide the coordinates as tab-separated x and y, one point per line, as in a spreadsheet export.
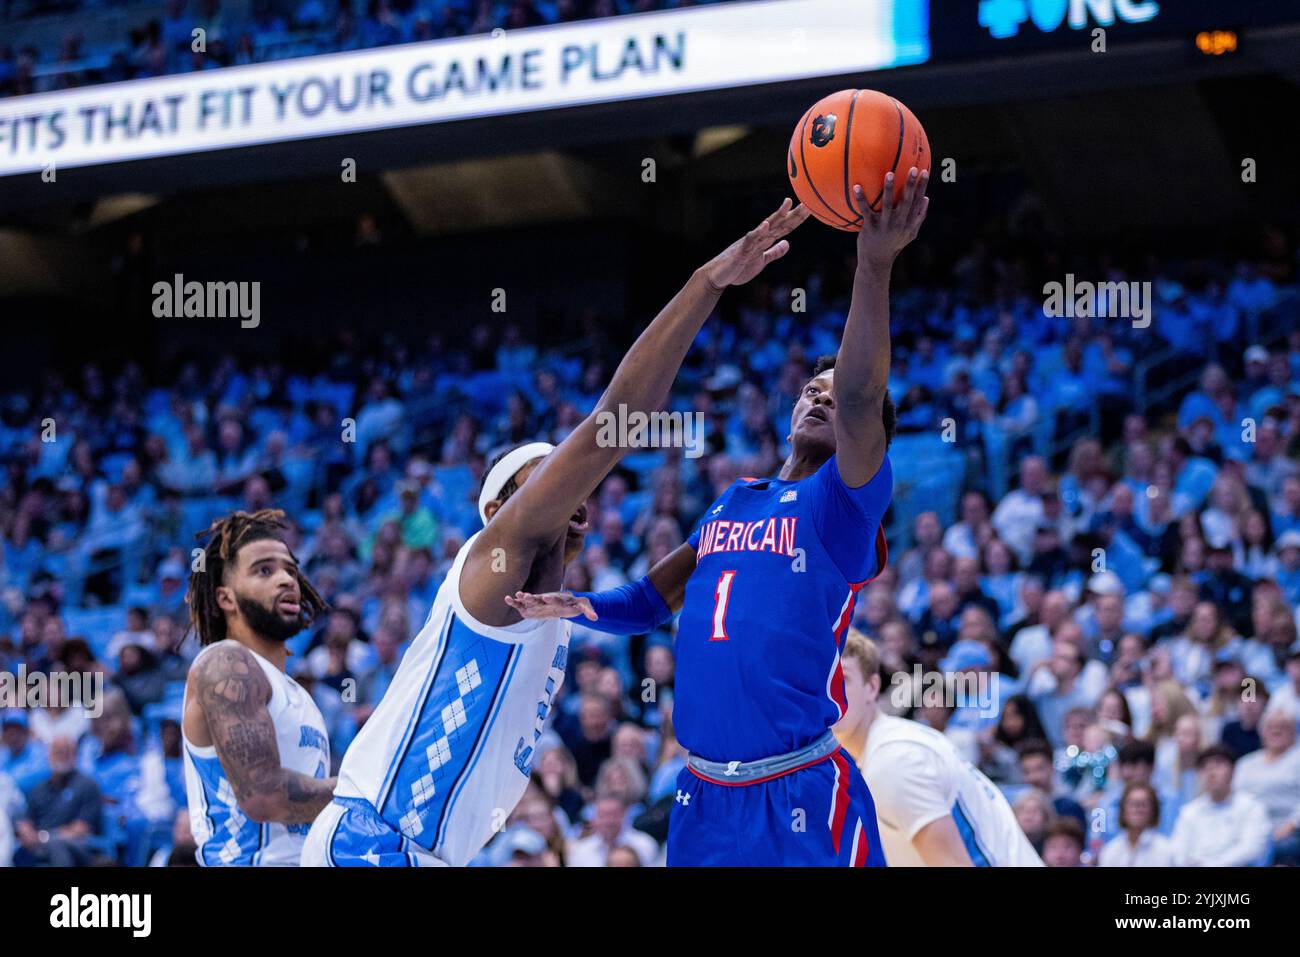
766	587
256	752
446	756
935	808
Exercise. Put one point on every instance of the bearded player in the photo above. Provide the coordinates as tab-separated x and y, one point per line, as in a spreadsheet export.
256	752
446	755
766	586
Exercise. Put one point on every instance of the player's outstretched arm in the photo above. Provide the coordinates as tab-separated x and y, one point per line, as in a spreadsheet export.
632	609
233	695
862	364
540	511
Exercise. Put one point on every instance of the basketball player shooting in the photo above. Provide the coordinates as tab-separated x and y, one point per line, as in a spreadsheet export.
256	752
766	586
447	754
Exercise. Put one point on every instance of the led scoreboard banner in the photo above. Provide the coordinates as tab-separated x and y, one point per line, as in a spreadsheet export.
628	57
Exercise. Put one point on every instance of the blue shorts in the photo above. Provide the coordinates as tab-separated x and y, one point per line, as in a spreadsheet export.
350	833
821	815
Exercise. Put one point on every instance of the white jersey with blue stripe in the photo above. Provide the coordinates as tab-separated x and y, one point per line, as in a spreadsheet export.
224	834
916	776
448	752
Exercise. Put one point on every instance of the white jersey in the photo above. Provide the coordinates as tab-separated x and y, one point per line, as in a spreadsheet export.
223	833
448	752
916	776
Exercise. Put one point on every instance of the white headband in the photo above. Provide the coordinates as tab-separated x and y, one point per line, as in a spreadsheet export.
505	470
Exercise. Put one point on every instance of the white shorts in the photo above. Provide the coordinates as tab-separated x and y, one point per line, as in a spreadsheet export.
349	833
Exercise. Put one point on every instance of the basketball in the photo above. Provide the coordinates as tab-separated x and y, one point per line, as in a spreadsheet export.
853	136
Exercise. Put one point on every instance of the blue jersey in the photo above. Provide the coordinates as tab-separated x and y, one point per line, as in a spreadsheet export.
778	567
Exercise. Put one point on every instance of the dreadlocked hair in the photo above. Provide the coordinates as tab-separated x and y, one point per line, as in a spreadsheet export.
225	537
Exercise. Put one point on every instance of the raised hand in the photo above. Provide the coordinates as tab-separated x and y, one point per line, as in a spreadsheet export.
886	232
745	258
556	604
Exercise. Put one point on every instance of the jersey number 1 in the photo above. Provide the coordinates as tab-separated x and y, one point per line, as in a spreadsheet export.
721	594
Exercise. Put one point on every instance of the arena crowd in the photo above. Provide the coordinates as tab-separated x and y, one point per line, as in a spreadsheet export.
1120	565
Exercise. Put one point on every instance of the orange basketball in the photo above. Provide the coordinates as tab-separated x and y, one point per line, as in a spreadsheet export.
854	136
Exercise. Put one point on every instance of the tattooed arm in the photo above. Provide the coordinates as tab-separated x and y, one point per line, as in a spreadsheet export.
233	693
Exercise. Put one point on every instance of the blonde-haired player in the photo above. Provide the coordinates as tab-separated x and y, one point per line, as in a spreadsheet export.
935	809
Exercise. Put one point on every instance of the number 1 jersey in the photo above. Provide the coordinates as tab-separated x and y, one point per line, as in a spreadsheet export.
778	567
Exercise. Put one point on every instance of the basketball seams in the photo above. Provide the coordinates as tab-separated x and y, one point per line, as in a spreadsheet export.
898	152
848	142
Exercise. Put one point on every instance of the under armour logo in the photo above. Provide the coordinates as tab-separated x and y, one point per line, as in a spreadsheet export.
732	767
789	496
682	798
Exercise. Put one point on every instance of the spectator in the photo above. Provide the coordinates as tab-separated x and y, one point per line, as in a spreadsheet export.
1140	843
63	814
1039	774
135	792
609	830
1033	811
591	741
22	756
1271	775
1057	685
1063	844
1223	827
1020	513
139	675
558	776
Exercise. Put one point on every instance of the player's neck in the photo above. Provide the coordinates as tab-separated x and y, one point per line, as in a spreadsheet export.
276	652
855	736
799	466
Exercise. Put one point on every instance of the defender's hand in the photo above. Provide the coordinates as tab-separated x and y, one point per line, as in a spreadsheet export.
556	604
745	258
885	233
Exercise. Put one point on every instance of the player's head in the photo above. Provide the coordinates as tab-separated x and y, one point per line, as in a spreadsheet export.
862	678
249	579
812	424
506	473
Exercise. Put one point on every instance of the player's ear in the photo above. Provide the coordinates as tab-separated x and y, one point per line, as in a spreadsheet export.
226	599
491	508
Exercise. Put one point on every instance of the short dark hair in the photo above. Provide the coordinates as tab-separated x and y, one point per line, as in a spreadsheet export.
1066	826
888	411
1034	746
1137	752
1215	752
